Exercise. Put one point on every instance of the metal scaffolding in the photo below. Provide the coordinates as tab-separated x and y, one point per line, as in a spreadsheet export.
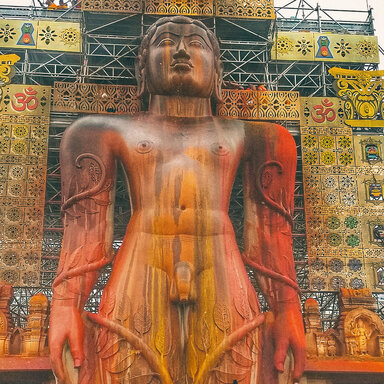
110	44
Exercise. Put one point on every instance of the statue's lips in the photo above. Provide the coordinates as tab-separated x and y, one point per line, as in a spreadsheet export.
181	65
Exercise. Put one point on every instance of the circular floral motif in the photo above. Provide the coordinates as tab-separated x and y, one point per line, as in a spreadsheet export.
334	239
310	158
349	199
336	265
9	276
327	142
329	182
20	131
333	222
12	232
318	283
328	158
317	264
351	222
7	33
38	148
314	222
313	198
31	258
354	265
35	172
29	278
347	182
32	232
33	214
47	35
70	36
352	240
35	190
17	172
366	48
14	214
345	158
10	258
19	147
16	189
309	141
342	47
38	132
331	199
337	282
312	181
356	283
344	142
304	46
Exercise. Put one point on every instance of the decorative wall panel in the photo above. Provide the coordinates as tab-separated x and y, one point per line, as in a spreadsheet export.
308	46
184	7
95	98
257	9
43	34
343	183
123	6
292	46
259	105
363	94
24	125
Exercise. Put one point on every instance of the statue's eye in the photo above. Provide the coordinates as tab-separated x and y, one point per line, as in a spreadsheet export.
196	43
167	42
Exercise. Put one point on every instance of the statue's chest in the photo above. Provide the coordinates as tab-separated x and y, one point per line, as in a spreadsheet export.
184	150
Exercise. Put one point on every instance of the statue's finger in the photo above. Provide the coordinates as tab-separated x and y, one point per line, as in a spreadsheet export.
299	355
282	345
56	345
76	342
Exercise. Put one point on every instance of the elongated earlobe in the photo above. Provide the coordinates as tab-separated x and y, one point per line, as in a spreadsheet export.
218	83
141	84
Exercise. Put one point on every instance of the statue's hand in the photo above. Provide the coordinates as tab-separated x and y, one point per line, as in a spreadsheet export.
288	331
65	324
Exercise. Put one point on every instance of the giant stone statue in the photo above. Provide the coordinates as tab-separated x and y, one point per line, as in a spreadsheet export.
179	307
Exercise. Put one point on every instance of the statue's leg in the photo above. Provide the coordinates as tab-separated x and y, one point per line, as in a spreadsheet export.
134	341
225	321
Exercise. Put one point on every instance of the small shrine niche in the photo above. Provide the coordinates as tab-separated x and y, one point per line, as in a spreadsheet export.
372	152
28	341
359	333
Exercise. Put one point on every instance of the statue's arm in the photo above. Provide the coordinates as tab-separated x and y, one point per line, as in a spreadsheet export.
87	165
269	181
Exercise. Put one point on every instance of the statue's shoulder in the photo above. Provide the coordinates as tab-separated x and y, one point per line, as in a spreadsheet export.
264	127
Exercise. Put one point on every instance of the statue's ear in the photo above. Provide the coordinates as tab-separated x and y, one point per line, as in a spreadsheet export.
218	82
140	78
141	84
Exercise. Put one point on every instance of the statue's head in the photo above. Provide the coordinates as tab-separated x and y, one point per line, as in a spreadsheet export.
179	56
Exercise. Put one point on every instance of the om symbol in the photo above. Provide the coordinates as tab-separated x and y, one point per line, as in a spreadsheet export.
26	100
324	112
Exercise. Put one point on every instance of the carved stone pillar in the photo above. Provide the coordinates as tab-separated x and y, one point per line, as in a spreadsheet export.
6	294
35	333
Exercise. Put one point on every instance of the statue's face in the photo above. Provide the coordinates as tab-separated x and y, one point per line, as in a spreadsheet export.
180	61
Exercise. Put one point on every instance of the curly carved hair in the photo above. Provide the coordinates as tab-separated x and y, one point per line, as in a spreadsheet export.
143	51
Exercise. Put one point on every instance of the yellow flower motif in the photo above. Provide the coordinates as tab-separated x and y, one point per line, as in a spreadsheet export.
328	158
327	142
284	45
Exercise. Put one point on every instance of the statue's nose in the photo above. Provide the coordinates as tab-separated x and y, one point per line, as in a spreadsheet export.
181	51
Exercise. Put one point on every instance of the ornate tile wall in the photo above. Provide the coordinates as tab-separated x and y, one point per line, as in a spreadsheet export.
24	126
343	183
